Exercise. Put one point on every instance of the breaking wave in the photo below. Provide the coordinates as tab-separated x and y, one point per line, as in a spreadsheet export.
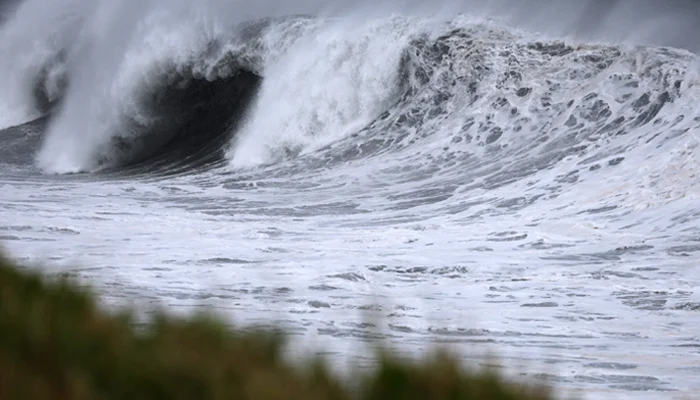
153	91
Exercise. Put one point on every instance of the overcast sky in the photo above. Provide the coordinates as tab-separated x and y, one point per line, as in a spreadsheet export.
662	22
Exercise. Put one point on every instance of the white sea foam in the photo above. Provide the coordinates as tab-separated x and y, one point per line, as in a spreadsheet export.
330	84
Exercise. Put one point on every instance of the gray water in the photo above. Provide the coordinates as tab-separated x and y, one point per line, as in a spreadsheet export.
465	178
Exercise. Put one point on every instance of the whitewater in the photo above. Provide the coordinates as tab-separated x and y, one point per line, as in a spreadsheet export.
510	179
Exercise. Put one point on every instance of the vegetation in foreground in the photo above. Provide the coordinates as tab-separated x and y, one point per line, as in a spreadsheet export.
55	343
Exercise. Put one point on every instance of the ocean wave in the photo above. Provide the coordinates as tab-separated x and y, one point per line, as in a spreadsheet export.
160	91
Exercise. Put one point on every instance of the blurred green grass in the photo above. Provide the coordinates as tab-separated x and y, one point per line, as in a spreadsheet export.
56	343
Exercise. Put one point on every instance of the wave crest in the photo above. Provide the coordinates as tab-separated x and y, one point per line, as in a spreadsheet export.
168	92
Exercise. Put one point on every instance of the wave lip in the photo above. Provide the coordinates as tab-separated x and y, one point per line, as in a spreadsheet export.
156	100
317	79
324	88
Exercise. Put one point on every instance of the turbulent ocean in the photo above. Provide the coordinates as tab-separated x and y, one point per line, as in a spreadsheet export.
510	179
